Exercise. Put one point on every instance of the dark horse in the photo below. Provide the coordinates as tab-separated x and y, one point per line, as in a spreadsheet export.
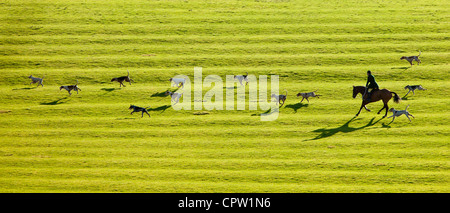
377	95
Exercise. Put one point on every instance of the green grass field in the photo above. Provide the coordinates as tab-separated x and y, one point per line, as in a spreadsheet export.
89	142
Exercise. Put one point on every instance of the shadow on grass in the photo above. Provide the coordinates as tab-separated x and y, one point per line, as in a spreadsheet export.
25	88
163	94
159	94
400	68
126	118
268	112
383	125
296	106
234	87
325	133
160	108
110	89
56	102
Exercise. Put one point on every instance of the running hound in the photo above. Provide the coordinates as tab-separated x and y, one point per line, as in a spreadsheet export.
70	88
36	80
280	98
123	78
410	59
397	113
414	87
242	78
306	95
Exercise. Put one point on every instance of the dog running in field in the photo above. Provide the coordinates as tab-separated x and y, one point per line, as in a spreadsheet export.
179	82
139	109
36	80
413	87
397	113
280	98
175	97
306	95
410	59
122	79
242	78
70	88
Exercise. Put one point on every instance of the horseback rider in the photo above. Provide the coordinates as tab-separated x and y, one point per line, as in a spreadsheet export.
371	85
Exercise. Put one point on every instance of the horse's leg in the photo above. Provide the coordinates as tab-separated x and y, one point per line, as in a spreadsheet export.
362	105
387	108
384	106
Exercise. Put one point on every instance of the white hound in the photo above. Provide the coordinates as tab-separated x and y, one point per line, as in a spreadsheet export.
178	82
36	80
242	78
397	113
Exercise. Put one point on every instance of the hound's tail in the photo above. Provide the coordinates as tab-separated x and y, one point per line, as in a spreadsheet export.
286	93
128	73
397	98
407	107
419	53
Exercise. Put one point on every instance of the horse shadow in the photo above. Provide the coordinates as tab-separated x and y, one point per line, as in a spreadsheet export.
56	102
296	106
325	133
160	108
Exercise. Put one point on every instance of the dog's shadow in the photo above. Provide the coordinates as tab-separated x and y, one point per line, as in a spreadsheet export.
405	97
400	68
234	87
126	118
325	133
383	125
56	102
268	112
160	108
162	94
159	94
110	89
296	106
25	88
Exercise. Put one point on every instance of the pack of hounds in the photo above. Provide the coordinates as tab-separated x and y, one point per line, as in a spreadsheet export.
280	98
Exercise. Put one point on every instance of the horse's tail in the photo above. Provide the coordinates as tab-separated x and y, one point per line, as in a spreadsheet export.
397	98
